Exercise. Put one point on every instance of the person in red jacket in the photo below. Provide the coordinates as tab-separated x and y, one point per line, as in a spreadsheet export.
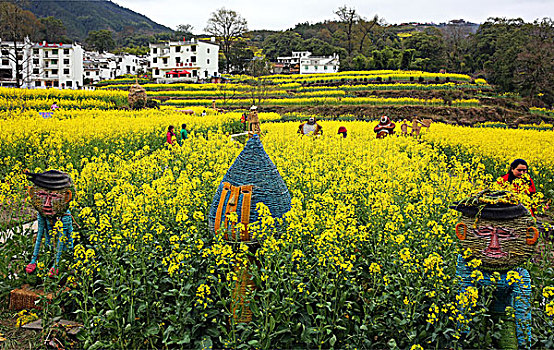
518	169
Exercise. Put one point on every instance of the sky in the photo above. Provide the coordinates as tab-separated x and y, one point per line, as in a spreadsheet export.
285	14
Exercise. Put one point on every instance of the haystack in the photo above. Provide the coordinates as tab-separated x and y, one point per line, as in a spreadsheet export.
137	97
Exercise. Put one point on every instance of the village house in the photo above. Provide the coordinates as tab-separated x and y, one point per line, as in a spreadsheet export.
56	65
191	60
43	65
104	66
302	62
290	64
312	64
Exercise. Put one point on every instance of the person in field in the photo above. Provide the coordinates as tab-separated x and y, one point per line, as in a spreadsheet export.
170	136
244	121
310	128
519	170
342	131
184	133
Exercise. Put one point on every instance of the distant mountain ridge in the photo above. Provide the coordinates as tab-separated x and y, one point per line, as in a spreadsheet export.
82	16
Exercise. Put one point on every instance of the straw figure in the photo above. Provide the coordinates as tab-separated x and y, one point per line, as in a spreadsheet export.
384	128
50	196
404	128
501	233
254	122
417	125
137	96
310	128
251	179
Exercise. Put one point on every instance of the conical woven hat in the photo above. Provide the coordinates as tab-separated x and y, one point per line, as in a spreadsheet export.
254	167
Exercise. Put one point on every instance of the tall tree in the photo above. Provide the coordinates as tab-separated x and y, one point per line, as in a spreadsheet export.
349	18
282	44
456	44
52	30
534	74
495	48
101	40
365	28
184	30
227	25
16	25
239	56
429	47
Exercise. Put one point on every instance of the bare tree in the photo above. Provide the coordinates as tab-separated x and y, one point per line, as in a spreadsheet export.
259	68
226	25
349	17
365	27
16	25
455	37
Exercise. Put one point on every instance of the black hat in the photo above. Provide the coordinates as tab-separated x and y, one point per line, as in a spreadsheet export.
50	180
491	211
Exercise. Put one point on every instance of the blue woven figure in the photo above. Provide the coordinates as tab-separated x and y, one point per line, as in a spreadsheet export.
50	196
64	242
517	295
251	179
502	235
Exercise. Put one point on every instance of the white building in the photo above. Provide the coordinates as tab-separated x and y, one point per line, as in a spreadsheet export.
56	65
8	64
104	66
184	60
290	64
312	64
97	67
42	65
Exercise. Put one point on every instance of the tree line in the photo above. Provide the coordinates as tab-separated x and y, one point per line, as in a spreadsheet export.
513	55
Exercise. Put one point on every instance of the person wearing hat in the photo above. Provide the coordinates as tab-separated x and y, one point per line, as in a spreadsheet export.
310	128
253	121
50	195
342	131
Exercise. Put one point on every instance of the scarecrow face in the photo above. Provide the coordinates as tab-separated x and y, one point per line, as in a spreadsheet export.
499	244
50	203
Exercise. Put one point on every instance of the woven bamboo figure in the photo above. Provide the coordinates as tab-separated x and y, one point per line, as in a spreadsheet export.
50	196
251	179
502	236
253	121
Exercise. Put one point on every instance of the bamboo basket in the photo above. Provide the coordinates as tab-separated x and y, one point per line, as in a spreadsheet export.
244	285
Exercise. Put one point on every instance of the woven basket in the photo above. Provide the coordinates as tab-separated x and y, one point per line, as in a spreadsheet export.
244	285
252	167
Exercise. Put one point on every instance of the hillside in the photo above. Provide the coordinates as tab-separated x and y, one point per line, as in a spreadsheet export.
80	17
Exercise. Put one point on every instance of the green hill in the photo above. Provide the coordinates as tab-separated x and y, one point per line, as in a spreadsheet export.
80	17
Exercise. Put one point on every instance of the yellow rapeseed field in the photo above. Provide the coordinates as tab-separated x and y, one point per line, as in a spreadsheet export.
365	258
